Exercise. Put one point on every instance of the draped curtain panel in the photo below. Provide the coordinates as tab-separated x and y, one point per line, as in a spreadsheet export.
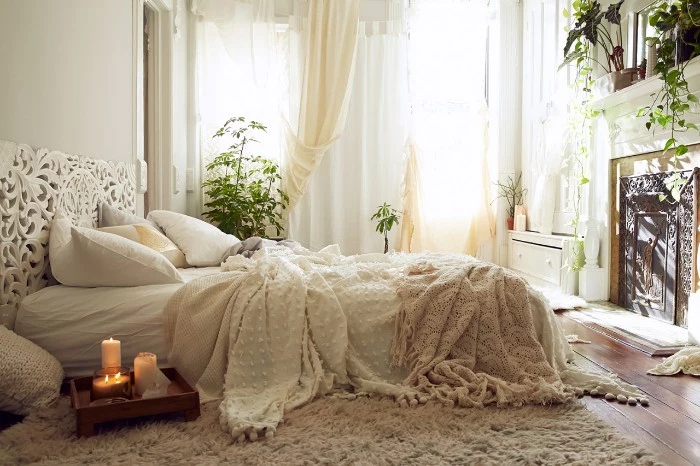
447	183
326	54
363	168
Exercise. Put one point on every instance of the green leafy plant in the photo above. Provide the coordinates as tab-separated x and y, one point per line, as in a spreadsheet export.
588	31
386	217
512	192
677	23
244	197
583	37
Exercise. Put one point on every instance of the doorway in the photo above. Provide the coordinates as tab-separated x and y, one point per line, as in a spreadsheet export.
149	110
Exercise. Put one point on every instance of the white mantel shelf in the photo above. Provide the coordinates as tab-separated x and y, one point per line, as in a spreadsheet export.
644	88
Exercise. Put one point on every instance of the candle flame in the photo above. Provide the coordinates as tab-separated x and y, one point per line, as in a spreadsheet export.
106	378
110	339
119	374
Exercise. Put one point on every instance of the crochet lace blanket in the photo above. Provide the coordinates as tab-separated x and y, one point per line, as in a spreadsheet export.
274	331
466	332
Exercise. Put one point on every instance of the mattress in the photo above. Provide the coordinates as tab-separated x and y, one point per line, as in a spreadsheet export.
71	322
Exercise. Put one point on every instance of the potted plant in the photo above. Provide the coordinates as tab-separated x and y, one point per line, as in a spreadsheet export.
244	197
386	217
677	23
589	26
513	193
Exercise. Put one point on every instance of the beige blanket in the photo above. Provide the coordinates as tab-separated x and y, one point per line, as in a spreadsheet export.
466	332
283	327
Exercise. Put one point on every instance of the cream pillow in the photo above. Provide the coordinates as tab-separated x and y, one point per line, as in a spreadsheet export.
147	235
86	257
112	217
204	245
29	376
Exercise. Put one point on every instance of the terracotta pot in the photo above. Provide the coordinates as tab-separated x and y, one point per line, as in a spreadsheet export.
509	222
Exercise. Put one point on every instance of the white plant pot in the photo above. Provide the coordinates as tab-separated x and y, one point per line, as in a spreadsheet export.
615	81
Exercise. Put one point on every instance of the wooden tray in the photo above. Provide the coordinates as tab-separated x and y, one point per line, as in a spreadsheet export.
180	397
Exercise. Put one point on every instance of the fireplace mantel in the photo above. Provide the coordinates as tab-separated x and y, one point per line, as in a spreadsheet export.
642	89
628	133
618	133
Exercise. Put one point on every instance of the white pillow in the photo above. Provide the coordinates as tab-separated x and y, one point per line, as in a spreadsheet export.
112	217
29	376
151	237
86	257
204	245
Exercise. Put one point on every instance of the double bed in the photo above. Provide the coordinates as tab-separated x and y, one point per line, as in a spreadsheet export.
71	322
268	333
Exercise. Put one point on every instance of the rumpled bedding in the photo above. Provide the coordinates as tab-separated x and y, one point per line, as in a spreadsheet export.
274	331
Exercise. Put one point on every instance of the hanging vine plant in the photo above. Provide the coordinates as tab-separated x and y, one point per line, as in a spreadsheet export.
677	23
578	51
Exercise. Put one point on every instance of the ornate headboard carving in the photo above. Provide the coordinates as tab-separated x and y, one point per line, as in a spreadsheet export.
33	184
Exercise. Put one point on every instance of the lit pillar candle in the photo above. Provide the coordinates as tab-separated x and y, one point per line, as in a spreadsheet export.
145	372
111	353
110	385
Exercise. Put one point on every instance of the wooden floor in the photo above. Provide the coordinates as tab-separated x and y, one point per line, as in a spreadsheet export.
670	426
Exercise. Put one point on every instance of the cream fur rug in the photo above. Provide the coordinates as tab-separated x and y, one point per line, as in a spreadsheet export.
335	431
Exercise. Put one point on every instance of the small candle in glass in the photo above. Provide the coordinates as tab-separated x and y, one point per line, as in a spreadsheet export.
111	382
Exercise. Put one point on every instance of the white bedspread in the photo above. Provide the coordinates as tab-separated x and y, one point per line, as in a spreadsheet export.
274	331
71	322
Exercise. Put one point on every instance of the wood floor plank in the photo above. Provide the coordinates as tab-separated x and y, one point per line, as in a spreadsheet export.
670	426
635	432
619	358
649	385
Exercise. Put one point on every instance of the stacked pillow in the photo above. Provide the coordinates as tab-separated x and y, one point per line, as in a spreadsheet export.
109	216
130	251
204	245
150	237
90	258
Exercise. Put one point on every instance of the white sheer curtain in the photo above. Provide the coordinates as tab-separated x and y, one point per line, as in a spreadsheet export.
447	185
243	69
237	72
364	167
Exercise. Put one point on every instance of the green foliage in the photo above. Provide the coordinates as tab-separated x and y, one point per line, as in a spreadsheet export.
677	23
576	258
512	192
589	31
243	190
386	217
584	37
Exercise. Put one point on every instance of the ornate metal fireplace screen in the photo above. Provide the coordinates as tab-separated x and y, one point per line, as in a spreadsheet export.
657	246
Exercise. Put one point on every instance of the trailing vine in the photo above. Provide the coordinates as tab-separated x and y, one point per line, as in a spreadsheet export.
677	23
578	51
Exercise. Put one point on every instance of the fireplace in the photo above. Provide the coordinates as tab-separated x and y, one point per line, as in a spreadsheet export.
657	246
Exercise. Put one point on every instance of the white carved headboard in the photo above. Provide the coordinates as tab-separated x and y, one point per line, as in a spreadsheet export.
33	184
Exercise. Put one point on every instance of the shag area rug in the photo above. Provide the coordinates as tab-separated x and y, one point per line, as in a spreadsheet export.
335	431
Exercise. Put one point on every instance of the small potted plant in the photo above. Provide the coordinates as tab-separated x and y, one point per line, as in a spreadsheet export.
589	26
386	217
513	193
244	197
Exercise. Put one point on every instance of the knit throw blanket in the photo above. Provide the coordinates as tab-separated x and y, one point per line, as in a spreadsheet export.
272	332
467	334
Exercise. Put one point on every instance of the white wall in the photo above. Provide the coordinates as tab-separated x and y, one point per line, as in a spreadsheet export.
66	76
